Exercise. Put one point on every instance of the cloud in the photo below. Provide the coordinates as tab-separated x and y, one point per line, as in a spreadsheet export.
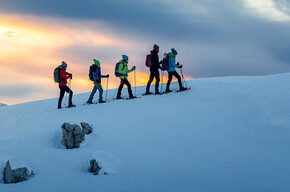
213	38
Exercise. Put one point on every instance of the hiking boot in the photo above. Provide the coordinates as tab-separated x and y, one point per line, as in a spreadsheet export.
89	102
182	89
132	97
119	98
148	93
102	101
168	91
59	108
71	105
157	93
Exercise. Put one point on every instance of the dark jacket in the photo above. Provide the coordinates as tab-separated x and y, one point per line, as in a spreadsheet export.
155	61
96	70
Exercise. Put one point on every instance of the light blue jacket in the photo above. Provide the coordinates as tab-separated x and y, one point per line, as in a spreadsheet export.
172	64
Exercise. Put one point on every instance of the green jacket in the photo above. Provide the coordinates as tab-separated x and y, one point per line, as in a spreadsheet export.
123	69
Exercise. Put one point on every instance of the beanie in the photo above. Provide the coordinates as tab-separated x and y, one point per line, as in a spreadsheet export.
174	51
96	62
125	57
63	64
155	47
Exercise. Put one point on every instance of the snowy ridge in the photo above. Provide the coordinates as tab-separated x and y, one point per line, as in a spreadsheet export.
225	134
2	105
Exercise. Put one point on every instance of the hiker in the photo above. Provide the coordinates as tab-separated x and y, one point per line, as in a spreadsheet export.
123	70
63	76
96	75
154	70
171	71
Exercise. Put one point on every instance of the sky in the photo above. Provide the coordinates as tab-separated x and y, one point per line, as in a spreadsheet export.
213	38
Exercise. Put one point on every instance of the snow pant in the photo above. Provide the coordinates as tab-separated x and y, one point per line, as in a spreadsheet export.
170	74
123	82
152	75
64	89
97	86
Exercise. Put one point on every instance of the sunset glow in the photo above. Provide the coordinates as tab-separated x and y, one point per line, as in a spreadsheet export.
30	51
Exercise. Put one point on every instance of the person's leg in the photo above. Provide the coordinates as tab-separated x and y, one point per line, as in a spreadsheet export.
61	95
90	100
68	90
129	88
149	82
179	79
100	88
157	77
120	88
169	81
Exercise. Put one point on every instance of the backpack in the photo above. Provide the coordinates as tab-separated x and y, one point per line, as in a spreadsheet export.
56	75
165	61
117	74
93	68
148	62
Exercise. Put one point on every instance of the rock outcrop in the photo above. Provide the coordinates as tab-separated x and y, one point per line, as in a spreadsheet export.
94	167
87	129
17	175
72	135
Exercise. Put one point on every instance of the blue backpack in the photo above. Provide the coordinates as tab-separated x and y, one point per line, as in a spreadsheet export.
93	68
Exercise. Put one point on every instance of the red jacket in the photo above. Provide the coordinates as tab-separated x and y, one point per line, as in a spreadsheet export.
63	76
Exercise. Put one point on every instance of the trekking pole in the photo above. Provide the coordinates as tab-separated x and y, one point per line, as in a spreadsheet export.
162	72
183	77
69	86
135	82
107	88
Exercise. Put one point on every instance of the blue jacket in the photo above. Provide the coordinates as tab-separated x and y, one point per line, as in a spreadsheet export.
172	64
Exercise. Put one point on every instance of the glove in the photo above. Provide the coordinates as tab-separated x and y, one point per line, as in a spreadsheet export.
71	76
162	68
180	66
177	63
134	67
127	72
107	75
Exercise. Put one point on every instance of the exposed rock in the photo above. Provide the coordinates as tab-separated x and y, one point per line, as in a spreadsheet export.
2	105
94	167
72	135
17	175
87	129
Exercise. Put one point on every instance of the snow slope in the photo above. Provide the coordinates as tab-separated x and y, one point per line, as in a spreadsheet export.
225	134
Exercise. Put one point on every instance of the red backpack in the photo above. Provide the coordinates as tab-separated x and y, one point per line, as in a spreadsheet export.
148	62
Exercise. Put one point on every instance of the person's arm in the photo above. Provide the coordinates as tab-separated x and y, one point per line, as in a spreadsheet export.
68	75
64	75
172	62
104	76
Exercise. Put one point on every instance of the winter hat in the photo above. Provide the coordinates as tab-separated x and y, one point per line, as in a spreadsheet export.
174	51
96	62
125	57
63	64
155	47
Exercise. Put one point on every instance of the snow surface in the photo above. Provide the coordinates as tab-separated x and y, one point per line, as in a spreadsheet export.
225	134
